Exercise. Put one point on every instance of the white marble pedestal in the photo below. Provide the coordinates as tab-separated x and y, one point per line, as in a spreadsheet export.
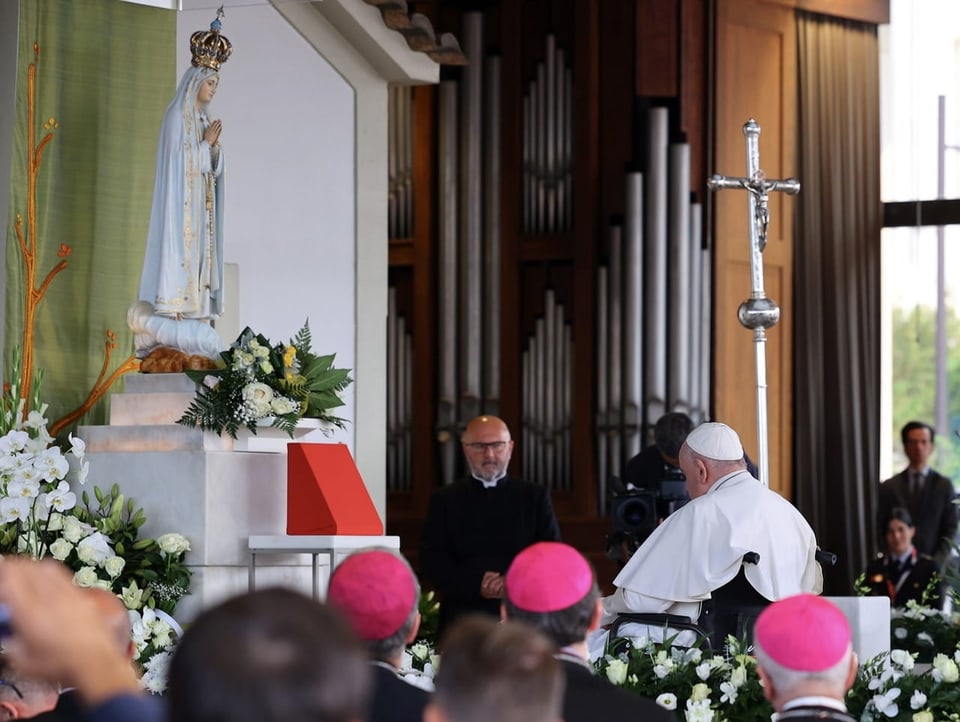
869	619
195	483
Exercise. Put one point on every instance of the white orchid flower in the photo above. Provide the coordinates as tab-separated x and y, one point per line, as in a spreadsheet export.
78	447
61	498
14	508
51	464
14	441
26	481
886	703
35	421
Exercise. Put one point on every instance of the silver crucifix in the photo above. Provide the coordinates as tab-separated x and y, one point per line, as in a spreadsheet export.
757	313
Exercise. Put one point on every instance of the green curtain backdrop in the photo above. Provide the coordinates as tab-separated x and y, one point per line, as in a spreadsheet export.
105	73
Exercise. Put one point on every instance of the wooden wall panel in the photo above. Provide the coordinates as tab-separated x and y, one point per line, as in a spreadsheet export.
756	78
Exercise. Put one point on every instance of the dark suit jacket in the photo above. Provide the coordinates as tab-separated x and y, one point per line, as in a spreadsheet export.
470	530
121	708
922	571
395	700
933	511
588	698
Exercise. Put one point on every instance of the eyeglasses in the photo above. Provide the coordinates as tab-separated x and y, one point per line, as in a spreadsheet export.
12	686
481	446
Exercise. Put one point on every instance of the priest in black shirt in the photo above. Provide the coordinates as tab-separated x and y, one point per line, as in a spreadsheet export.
477	525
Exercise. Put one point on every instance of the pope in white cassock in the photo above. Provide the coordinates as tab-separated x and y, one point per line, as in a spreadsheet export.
700	547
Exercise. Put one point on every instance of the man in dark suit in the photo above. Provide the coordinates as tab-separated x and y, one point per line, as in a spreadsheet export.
477	525
925	493
378	593
552	587
805	659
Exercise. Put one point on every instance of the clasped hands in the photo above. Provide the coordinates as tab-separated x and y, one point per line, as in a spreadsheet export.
491	586
212	133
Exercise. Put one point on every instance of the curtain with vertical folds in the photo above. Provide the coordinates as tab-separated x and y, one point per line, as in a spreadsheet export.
105	71
837	290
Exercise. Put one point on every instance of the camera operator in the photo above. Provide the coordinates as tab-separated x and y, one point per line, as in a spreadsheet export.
659	460
651	487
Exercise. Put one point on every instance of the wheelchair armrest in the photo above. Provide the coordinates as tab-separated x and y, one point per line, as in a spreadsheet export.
654	619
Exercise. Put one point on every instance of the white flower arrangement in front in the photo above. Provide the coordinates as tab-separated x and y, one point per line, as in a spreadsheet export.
419	664
41	516
703	686
709	687
893	687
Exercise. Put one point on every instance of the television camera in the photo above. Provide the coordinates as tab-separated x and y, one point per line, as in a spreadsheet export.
636	511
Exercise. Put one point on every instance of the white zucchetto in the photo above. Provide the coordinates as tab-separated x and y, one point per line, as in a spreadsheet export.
715	441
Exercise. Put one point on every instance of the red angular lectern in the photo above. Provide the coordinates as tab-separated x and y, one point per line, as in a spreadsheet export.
325	493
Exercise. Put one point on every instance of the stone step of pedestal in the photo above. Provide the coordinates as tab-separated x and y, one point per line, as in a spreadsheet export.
158	437
157	384
148	409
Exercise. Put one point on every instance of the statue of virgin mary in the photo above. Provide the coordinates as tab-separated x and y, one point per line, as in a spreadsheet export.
182	273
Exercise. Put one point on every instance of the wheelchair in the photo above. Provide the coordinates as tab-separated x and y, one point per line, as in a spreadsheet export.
732	610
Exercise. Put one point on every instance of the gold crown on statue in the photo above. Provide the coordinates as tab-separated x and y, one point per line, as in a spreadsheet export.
209	48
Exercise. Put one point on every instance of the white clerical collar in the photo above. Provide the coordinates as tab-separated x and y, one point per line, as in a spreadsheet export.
815	701
572	655
492	482
724	479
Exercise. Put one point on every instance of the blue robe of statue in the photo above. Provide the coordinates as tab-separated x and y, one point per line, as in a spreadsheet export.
183	266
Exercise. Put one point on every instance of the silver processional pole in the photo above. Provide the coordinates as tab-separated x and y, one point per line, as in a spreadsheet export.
757	313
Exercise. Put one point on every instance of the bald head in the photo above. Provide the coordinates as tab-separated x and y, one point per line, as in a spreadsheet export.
487	447
485	425
115	615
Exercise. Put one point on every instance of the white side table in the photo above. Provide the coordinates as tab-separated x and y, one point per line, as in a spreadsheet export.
332	546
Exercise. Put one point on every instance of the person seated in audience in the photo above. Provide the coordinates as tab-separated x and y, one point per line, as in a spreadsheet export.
378	593
272	655
700	548
551	587
805	659
60	635
22	696
69	706
903	573
496	672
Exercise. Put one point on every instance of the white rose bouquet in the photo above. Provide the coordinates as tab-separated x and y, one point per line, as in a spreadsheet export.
259	380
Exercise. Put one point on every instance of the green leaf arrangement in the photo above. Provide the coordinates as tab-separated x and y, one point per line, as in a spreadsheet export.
258	381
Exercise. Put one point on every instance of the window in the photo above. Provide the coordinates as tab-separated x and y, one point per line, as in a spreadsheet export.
920	184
